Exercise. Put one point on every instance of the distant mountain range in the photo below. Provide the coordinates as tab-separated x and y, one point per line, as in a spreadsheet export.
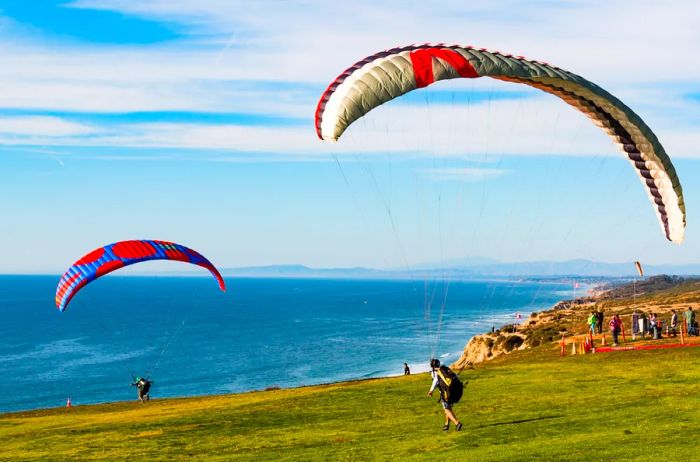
471	268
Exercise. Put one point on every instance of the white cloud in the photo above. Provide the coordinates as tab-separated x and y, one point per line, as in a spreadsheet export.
43	126
230	42
315	41
630	40
482	132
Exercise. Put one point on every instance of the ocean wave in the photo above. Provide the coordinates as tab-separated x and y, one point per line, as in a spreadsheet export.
48	350
92	355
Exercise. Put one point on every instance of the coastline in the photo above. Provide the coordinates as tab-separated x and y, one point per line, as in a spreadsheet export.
309	331
539	329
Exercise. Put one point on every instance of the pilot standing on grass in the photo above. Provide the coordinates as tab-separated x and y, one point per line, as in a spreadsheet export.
674	322
615	328
435	373
592	321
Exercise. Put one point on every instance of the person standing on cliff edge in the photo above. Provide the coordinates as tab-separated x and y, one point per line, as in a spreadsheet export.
592	321
599	320
674	323
615	328
406	370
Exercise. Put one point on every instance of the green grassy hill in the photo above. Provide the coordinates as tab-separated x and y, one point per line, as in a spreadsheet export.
530	405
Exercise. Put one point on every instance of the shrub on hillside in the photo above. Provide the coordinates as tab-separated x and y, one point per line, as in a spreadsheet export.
512	343
499	340
545	335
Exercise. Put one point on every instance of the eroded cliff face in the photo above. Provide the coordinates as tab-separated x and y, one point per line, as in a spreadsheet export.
485	347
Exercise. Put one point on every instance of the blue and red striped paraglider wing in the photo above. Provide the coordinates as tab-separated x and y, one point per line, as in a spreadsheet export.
124	253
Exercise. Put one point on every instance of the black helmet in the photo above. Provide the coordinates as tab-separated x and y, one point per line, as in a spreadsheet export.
434	363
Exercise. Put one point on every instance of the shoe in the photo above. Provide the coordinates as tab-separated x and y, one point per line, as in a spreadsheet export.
459	426
446	427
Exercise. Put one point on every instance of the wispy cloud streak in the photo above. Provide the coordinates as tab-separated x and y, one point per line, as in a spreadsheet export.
238	57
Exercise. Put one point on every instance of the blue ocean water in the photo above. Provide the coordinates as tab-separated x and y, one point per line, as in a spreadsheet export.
192	339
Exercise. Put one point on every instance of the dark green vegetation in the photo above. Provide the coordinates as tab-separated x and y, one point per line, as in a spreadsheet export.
530	405
679	292
651	285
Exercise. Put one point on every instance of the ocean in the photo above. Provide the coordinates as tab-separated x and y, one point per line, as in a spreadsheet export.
191	339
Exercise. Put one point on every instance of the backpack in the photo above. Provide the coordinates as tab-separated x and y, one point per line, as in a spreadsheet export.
450	385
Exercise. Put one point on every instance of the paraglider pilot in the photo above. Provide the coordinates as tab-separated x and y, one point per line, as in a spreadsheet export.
144	387
443	377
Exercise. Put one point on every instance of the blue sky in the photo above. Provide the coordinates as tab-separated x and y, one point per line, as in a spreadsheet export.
193	121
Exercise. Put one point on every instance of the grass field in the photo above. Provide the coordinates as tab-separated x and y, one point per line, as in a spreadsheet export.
531	405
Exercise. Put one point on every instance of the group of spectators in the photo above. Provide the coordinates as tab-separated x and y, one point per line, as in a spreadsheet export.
595	324
643	325
653	325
